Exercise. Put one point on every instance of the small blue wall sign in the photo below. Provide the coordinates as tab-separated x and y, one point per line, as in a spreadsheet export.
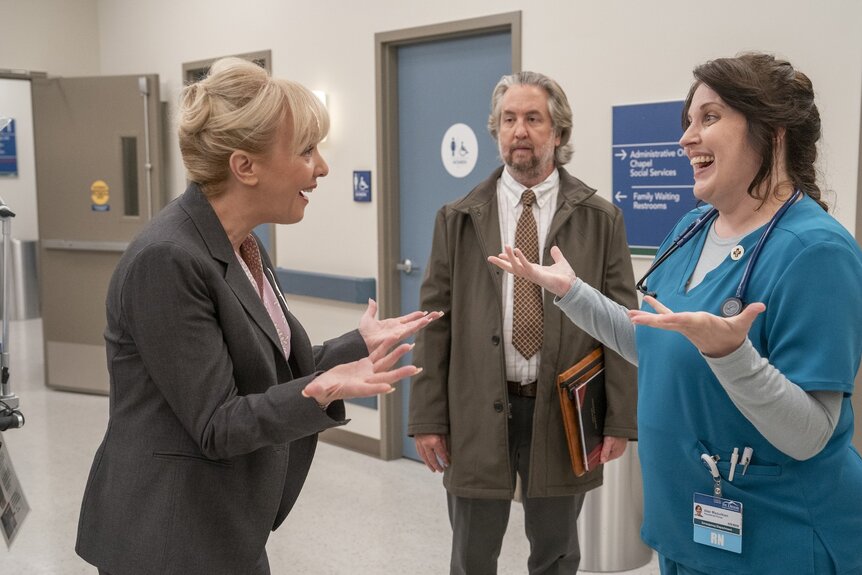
362	186
8	152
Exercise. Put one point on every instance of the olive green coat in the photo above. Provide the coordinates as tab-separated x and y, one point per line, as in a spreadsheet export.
461	391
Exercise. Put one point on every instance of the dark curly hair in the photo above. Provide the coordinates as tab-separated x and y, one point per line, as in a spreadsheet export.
771	95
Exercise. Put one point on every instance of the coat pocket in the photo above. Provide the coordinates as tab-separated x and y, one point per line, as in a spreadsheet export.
178	456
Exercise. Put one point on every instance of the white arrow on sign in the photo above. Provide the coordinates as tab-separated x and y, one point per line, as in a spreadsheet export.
621	154
619	196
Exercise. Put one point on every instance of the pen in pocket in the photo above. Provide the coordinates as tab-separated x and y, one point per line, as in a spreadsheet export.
734	457
746	458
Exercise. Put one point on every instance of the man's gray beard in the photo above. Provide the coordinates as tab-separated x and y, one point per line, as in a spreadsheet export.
529	170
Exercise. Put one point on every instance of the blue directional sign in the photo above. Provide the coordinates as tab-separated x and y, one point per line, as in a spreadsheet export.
8	152
652	177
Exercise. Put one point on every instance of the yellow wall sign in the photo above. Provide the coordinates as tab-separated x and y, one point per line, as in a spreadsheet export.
100	195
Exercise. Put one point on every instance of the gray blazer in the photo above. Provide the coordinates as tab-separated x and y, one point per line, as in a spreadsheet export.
209	440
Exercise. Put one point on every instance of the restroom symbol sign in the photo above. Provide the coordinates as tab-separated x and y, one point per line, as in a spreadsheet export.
362	186
459	150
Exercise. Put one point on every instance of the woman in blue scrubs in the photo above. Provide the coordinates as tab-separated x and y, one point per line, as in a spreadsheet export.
745	417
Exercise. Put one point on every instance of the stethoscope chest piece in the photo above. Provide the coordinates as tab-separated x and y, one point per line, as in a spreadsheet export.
731	307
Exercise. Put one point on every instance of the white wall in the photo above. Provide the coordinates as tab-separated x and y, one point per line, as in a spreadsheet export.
19	192
56	36
603	53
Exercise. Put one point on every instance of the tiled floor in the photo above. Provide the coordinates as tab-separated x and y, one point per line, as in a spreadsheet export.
357	515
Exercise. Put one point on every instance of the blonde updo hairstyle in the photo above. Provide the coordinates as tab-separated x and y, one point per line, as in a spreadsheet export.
238	106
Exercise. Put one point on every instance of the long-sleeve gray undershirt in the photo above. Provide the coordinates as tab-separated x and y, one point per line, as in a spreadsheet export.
797	422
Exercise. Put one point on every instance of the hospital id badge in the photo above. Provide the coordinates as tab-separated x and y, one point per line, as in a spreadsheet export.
717	522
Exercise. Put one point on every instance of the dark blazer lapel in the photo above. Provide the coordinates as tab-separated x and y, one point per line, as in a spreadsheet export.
300	345
214	237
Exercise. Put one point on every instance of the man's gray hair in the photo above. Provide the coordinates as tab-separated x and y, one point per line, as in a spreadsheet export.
558	108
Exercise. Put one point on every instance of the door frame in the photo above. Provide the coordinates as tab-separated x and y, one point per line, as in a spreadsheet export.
857	397
388	191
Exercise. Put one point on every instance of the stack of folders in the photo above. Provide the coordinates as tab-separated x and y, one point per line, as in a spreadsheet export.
583	402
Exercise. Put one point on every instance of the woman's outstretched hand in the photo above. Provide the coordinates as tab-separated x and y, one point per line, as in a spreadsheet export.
376	373
377	331
714	336
369	376
556	278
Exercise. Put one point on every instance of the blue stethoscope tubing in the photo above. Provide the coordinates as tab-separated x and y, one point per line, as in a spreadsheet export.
733	305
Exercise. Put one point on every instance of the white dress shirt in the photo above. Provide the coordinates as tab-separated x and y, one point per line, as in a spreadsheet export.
509	205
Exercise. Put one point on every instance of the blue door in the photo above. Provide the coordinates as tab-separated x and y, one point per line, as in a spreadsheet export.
444	95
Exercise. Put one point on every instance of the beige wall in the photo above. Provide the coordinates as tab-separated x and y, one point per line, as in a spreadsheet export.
60	36
603	53
57	36
19	192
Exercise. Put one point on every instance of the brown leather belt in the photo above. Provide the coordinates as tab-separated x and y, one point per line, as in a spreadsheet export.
528	390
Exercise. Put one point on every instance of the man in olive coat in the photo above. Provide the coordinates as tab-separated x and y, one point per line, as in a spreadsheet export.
486	407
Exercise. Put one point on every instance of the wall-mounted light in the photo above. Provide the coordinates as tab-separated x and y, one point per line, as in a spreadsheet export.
321	95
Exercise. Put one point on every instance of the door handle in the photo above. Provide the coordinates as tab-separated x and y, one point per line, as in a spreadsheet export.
406	266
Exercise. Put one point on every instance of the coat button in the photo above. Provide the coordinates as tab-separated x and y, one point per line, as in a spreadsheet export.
498	406
495	339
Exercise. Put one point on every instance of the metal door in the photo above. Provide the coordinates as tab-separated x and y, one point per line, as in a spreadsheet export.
99	180
440	85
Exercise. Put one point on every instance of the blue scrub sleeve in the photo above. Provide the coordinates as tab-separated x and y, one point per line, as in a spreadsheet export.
812	332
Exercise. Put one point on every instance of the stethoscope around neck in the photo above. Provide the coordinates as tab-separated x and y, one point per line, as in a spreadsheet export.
733	305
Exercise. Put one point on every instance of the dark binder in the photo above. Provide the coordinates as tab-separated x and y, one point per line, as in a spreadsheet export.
583	403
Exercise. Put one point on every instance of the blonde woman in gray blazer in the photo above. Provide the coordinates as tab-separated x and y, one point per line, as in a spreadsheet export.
217	395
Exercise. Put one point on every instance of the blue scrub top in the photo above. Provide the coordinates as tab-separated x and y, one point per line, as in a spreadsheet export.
809	275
